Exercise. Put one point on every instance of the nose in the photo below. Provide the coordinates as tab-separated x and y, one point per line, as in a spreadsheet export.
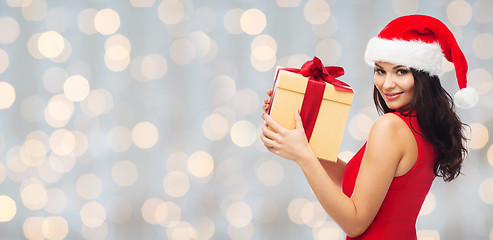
389	82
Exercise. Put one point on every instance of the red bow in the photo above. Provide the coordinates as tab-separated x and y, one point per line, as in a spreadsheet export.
315	70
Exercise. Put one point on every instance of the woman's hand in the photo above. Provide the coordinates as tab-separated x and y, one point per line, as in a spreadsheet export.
289	144
267	101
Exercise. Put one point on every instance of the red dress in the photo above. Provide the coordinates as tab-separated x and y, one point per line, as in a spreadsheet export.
396	218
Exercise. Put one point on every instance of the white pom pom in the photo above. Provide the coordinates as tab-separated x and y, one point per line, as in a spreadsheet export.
466	98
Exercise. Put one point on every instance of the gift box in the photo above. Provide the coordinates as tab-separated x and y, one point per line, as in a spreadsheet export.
323	101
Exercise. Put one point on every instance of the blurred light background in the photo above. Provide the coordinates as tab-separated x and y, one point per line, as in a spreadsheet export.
139	119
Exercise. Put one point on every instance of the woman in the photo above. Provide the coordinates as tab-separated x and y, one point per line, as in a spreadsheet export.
418	137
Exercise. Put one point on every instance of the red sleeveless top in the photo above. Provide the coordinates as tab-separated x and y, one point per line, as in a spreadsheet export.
396	218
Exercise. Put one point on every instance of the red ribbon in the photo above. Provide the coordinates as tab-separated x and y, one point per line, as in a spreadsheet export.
318	76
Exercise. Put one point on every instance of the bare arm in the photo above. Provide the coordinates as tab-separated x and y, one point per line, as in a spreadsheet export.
334	170
353	214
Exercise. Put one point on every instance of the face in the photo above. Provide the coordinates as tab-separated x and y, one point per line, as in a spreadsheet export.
395	84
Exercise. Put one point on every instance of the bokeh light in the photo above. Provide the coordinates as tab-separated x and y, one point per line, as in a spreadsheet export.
176	184
253	21
98	102
485	192
33	195
200	164
490	155
288	3
51	44
405	7
33	228
119	139
7	95
316	11
107	21
59	111
359	126
171	11
124	173
478	136
482	10
93	214
3	173
428	234
482	47
270	173
459	12
182	51
55	227
62	142
10	30
8	208
76	88
215	127
295	210
232	21
145	135
89	186
153	66
4	61
85	21
243	133
239	214
34	10
312	214
481	80
142	3
327	230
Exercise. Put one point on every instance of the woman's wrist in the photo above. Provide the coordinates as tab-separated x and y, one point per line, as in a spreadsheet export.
306	158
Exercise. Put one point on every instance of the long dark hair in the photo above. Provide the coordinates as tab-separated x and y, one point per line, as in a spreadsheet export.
438	121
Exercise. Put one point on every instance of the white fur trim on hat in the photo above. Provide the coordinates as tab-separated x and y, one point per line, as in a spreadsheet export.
413	54
466	97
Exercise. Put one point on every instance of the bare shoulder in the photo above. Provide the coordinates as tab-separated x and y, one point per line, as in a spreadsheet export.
389	123
389	134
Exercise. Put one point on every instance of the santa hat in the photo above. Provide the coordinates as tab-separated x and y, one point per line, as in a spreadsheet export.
423	43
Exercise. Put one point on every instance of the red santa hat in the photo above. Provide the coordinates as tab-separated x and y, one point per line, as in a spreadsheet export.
423	43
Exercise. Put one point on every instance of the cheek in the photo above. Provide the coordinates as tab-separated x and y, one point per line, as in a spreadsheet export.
408	84
377	81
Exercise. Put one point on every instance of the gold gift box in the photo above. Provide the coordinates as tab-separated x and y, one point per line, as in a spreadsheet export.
331	121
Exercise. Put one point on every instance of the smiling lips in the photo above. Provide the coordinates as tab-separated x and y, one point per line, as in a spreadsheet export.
392	96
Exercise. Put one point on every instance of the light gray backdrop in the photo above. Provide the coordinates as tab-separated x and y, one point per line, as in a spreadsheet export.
139	119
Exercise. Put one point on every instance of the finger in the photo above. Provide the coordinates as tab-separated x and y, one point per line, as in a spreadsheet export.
269	133
269	143
298	121
269	92
266	108
267	100
273	124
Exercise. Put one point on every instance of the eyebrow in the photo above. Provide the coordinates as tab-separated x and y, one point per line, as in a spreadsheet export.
396	67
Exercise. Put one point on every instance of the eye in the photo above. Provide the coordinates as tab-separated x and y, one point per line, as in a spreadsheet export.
379	71
402	71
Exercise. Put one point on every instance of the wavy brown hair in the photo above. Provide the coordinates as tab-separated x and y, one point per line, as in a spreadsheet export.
439	123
